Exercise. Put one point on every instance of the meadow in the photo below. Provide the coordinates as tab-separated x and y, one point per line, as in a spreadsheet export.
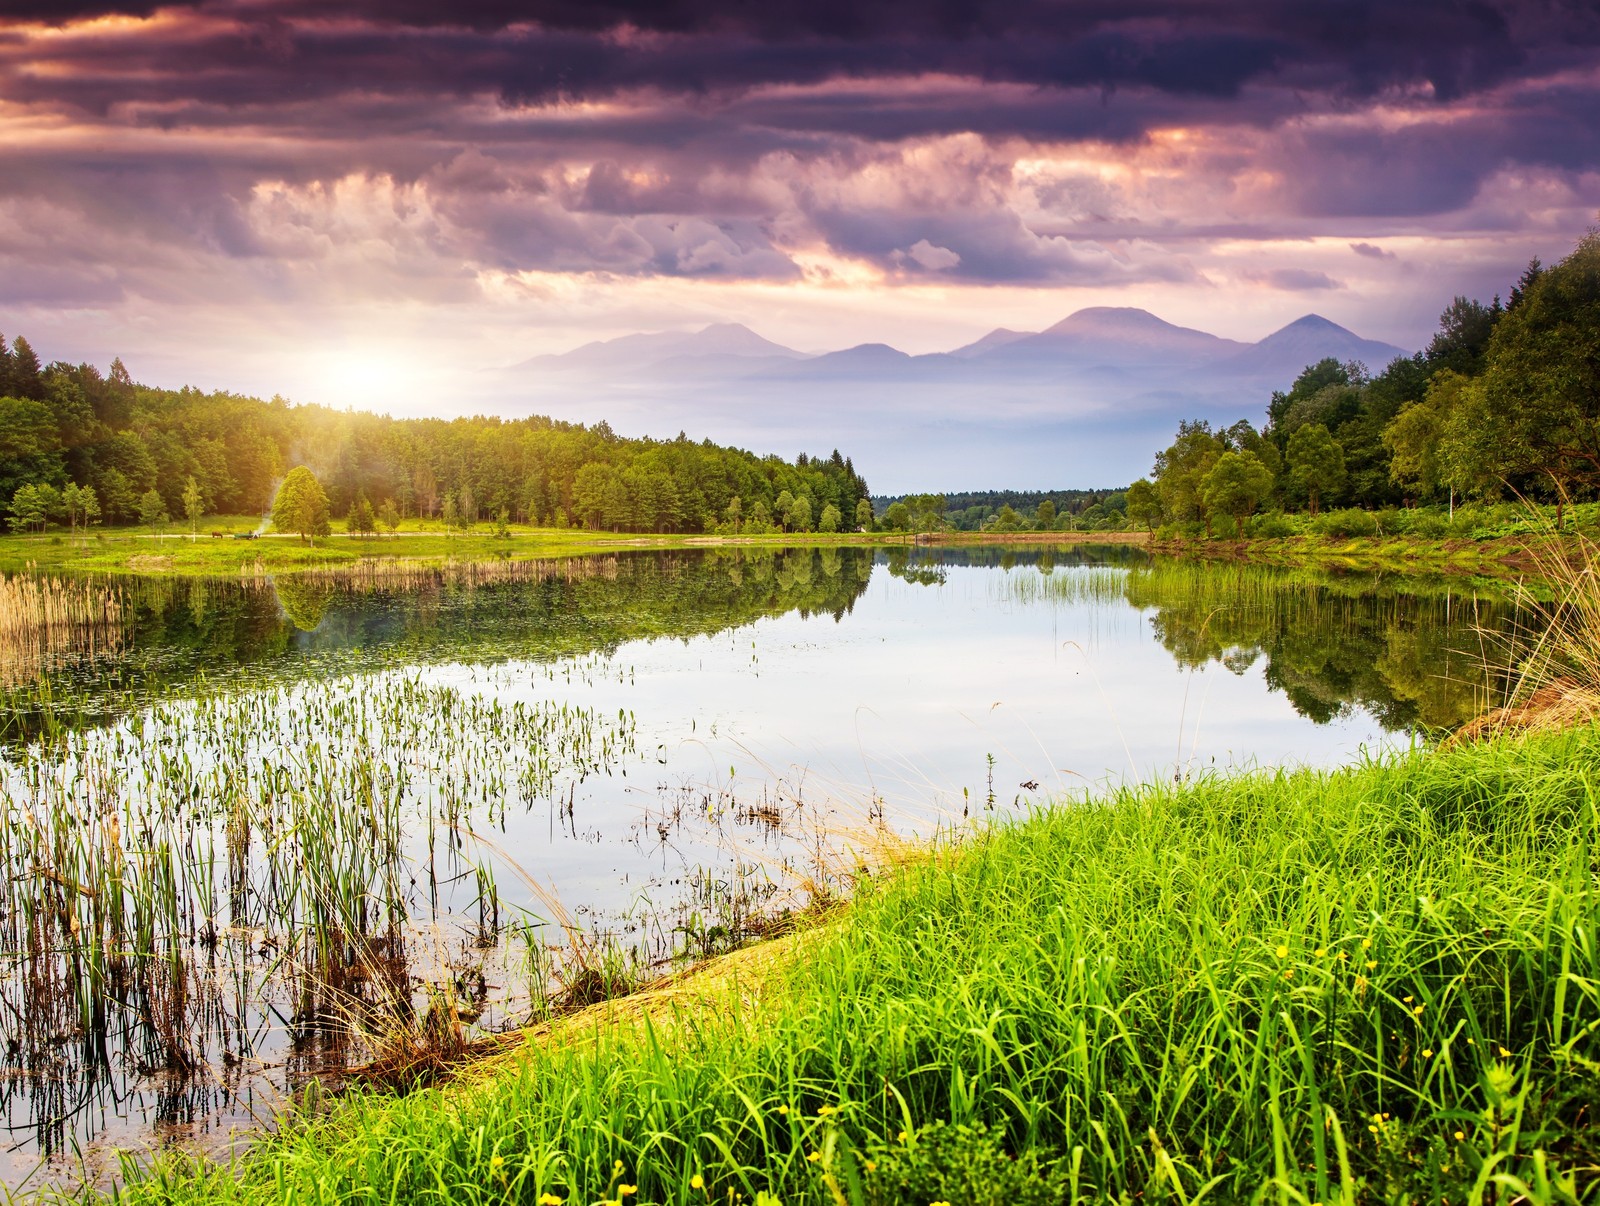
229	545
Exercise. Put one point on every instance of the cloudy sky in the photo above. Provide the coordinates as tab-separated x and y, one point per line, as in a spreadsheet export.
370	200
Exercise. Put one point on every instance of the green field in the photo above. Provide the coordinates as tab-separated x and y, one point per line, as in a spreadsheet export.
220	549
1377	984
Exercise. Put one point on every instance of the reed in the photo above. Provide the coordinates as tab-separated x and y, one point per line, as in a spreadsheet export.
206	881
1554	652
45	618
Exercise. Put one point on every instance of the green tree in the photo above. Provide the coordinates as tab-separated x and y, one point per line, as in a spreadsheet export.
361	519
1236	485
830	519
864	514
29	509
1541	376
781	508
502	524
898	517
301	506
1413	442
1044	517
194	506
447	512
1144	505
153	511
1007	519
88	507
72	502
121	502
30	445
1181	468
389	516
800	514
1316	462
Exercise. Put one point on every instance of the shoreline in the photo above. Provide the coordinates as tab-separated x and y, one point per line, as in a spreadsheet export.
725	1049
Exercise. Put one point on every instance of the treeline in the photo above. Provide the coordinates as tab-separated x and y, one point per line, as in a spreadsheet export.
128	452
1504	402
1004	511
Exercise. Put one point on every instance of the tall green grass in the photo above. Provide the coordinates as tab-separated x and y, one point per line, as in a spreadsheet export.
1371	985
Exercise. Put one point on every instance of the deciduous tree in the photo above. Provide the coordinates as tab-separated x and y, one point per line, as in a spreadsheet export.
1316	462
301	506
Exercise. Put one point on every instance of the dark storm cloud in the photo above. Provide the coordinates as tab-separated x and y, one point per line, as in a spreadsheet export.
531	52
702	137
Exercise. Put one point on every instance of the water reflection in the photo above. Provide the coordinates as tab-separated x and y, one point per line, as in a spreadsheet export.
1413	652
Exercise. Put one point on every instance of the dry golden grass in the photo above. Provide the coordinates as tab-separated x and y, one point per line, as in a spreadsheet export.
1554	656
43	619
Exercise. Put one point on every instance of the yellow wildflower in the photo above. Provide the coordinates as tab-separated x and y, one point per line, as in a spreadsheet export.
783	1109
872	1165
1460	1135
1371	963
624	1190
824	1111
1427	1053
1366	944
814	1157
549	1199
496	1163
1283	952
697	1182
1321	951
1504	1054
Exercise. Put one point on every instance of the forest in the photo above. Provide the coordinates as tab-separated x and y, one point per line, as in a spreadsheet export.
1504	402
1004	511
77	446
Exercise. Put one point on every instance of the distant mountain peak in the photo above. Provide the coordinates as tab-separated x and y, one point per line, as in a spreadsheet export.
1120	318
1313	322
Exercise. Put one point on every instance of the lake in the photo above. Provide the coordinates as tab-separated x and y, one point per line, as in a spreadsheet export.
254	826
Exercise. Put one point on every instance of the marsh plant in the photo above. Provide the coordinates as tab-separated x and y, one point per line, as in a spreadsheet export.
288	870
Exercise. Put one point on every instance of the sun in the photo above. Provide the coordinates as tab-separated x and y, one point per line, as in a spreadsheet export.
363	378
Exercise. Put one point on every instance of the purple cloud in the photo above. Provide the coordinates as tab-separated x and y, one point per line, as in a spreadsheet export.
1295	280
1372	251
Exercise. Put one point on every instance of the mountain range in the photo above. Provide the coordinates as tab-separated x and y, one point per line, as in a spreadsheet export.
1086	402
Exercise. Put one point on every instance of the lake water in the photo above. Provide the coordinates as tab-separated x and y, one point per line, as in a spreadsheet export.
322	799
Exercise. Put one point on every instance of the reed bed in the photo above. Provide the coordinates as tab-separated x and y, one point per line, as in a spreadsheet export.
394	573
1557	651
44	619
206	882
1065	585
1374	985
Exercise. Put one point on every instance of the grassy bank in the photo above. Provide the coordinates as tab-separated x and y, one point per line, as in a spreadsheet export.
136	551
1502	557
1499	540
1380	984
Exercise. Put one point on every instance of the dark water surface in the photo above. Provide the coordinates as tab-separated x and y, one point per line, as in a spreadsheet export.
261	816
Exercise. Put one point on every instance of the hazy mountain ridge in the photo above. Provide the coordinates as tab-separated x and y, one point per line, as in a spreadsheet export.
1086	398
1096	337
